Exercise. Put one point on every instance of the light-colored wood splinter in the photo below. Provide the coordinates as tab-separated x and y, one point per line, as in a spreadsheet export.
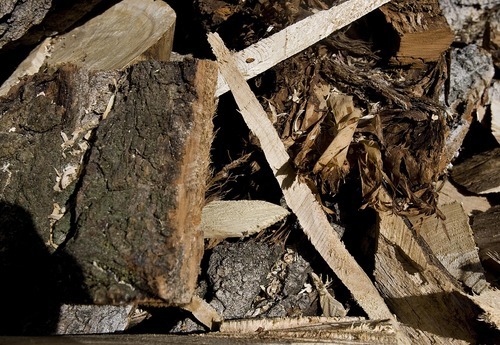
270	51
298	196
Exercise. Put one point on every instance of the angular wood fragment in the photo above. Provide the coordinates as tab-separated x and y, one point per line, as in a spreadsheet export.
239	218
203	312
448	193
426	299
424	34
297	194
452	242
268	52
128	32
479	174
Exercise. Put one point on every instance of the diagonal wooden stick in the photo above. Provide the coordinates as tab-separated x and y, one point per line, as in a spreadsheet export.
270	51
297	194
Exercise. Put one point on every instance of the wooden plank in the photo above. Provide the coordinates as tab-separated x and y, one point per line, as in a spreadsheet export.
268	52
344	330
297	194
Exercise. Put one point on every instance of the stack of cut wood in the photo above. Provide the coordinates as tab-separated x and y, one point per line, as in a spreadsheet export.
337	124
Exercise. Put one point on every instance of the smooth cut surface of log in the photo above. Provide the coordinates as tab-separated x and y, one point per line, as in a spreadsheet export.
131	30
126	33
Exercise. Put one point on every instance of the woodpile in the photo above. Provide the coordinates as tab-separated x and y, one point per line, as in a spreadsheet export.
258	171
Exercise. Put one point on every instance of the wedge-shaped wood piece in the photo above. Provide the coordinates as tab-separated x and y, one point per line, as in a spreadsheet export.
479	174
298	196
270	51
239	218
128	32
426	298
424	34
452	242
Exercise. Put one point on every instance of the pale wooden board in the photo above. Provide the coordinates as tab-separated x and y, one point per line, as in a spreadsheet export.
297	194
344	330
452	242
239	218
268	52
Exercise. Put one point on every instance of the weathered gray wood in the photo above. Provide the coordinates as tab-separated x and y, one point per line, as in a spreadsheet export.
16	17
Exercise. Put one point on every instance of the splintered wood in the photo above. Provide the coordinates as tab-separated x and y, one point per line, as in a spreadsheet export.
297	194
268	52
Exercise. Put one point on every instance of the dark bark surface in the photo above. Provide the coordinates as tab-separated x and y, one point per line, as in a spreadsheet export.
119	192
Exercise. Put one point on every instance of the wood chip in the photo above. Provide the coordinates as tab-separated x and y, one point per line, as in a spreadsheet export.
225	219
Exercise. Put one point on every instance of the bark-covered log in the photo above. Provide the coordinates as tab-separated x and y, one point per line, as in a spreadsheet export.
16	17
111	168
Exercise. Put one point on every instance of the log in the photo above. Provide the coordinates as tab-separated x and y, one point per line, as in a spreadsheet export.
421	29
105	42
426	300
479	174
110	166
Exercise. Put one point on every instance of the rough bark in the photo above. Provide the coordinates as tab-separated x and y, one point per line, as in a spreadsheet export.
16	17
111	167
